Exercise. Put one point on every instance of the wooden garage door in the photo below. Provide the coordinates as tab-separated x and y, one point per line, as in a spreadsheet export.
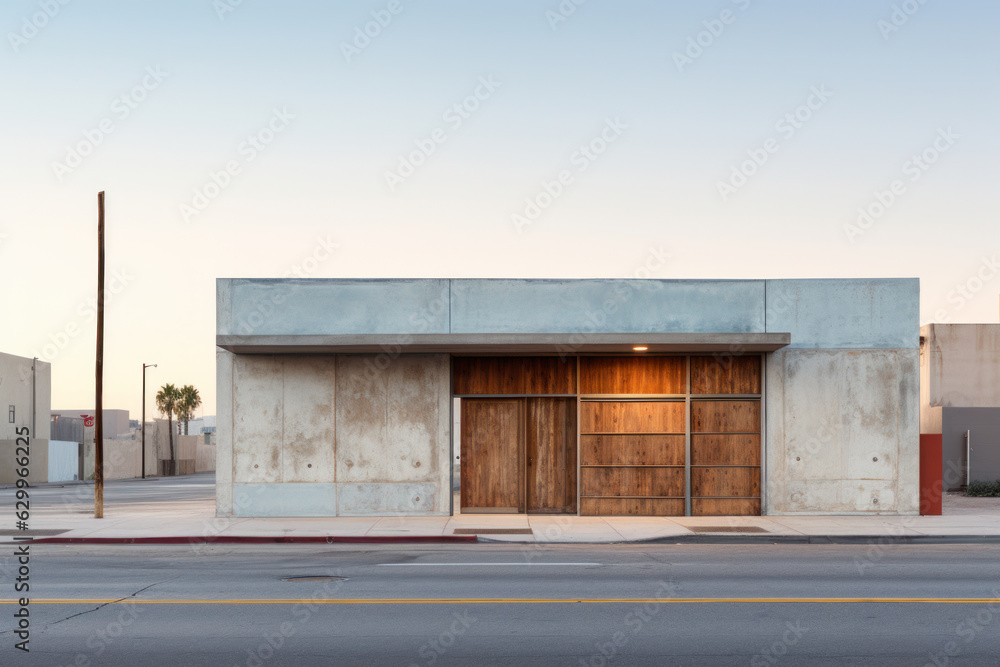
492	455
632	457
725	435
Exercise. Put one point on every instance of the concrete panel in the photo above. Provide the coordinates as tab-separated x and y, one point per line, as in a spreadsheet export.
621	306
389	499
842	431
223	306
831	314
224	427
257	419
38	461
331	306
361	414
280	500
309	448
963	365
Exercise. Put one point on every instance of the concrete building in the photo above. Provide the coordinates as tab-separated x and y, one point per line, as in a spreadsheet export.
960	398
116	422
25	398
661	397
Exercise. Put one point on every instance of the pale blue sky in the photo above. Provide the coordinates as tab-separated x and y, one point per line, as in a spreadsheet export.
322	179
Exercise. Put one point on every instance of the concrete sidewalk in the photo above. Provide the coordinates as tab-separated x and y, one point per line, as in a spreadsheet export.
177	508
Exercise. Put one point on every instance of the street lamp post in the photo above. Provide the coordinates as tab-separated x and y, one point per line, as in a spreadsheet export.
143	429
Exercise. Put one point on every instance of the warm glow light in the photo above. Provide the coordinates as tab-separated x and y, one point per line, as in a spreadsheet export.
640	348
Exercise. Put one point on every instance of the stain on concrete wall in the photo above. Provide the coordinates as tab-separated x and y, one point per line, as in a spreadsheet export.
324	435
842	431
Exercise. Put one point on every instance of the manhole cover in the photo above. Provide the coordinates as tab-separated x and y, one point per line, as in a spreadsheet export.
306	580
726	529
40	532
493	531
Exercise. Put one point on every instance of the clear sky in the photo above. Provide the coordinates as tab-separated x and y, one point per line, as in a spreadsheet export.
487	138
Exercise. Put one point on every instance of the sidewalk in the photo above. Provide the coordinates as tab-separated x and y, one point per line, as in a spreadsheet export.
182	514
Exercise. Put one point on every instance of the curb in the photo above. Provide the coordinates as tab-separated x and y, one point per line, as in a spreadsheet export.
758	539
237	539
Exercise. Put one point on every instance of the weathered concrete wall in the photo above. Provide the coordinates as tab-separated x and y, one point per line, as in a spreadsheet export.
326	435
960	364
205	460
842	401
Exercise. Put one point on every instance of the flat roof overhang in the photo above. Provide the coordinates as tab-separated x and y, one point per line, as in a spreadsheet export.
480	344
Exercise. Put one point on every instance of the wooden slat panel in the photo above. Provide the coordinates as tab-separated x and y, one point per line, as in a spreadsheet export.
734	450
725	374
725	416
492	463
631	507
725	507
513	375
549	375
632	482
631	417
551	455
486	375
633	375
632	450
737	482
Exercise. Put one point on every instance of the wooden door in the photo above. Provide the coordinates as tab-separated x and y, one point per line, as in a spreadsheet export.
492	455
550	445
632	456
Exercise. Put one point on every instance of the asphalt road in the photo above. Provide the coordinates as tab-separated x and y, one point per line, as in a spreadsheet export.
508	605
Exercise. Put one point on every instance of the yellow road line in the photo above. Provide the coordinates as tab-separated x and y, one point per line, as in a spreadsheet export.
528	601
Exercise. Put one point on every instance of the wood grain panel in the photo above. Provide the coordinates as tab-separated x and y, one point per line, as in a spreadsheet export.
548	375
551	455
513	375
633	375
725	374
486	375
631	417
630	449
736	482
725	507
733	450
632	482
725	416
492	463
631	507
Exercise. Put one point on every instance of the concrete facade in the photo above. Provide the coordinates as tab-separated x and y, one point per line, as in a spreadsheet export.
326	372
28	393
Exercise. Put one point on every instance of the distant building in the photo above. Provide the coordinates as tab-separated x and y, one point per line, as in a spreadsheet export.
116	422
25	399
960	398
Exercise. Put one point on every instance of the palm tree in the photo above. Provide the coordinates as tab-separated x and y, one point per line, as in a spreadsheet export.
166	402
188	402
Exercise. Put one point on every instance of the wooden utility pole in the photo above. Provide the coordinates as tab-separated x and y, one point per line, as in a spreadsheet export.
99	401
